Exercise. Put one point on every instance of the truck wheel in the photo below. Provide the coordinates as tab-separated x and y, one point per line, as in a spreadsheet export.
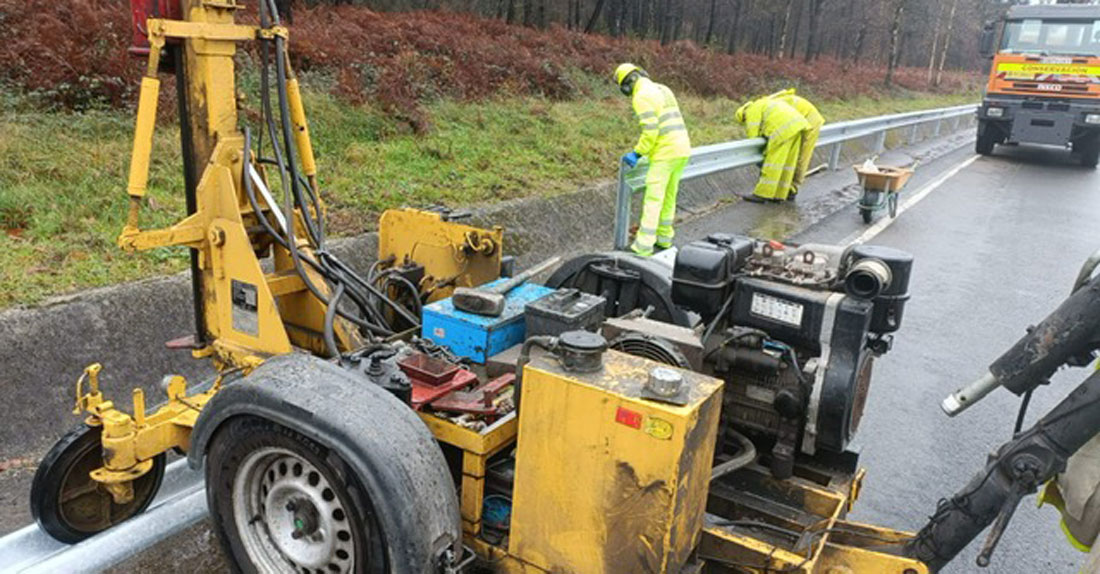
1090	152
987	138
283	503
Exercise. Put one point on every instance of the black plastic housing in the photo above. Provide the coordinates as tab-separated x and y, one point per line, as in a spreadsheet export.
890	304
704	272
564	310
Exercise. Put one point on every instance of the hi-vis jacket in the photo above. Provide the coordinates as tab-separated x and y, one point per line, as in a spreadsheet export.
664	134
774	119
804	107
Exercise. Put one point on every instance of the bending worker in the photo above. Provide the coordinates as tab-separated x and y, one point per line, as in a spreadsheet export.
666	144
809	137
782	125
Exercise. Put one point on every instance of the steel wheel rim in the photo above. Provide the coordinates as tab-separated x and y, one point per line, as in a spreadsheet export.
277	493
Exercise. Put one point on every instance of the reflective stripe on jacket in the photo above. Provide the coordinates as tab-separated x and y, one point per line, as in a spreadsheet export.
773	119
664	133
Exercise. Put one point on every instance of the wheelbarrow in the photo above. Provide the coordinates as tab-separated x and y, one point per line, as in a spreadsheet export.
881	186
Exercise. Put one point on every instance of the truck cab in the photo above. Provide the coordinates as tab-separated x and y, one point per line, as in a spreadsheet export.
1044	81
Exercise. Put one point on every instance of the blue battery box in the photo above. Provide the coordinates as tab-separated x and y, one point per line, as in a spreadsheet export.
476	336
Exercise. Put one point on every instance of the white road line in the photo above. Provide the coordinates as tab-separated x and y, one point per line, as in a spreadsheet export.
882	224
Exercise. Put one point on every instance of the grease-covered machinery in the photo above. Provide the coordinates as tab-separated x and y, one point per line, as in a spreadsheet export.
794	331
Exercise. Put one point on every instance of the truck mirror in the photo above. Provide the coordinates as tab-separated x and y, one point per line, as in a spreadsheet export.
985	46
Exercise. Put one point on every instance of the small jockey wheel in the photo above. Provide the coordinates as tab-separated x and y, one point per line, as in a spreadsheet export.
68	504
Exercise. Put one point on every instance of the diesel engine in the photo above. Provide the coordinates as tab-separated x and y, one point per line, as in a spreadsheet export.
792	329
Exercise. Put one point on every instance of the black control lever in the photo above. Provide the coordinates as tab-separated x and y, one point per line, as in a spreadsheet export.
1001	523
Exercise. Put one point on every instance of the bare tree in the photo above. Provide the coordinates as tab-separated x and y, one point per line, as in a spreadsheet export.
895	29
947	40
786	27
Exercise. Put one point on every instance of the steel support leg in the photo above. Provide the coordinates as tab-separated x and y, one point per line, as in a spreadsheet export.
834	156
622	211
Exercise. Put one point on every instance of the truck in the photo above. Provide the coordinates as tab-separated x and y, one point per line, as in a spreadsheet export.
1044	81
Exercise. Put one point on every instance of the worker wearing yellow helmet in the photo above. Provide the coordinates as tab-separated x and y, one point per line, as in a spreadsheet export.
665	143
809	137
782	125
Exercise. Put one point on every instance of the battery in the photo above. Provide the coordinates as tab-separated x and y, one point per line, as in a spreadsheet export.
475	336
564	310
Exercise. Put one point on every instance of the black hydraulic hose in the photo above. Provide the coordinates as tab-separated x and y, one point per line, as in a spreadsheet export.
330	318
340	265
546	342
190	185
288	137
250	192
745	458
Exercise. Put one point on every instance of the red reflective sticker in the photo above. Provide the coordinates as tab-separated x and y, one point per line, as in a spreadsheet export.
632	419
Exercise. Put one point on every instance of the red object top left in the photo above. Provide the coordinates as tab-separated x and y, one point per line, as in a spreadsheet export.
141	11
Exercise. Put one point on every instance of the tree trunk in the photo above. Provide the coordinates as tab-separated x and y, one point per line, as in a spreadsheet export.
511	11
594	18
947	40
710	21
812	35
895	29
935	42
528	12
735	28
786	28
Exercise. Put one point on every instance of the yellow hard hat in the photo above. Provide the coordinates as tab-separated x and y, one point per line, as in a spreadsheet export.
740	114
623	71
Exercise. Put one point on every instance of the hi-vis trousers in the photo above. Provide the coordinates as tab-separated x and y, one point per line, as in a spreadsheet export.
805	156
777	174
662	182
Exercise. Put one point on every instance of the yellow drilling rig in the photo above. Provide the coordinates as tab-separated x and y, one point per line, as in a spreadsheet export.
629	418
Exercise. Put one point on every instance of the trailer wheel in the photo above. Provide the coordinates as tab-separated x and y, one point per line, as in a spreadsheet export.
283	503
987	138
68	504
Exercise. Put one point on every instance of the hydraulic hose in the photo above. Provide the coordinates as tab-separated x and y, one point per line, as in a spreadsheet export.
330	319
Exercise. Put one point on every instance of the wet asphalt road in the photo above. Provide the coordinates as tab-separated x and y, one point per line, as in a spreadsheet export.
997	247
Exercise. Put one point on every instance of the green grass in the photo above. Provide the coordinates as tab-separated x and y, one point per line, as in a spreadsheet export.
63	175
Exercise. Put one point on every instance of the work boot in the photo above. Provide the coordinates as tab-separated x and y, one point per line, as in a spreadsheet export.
792	196
659	248
752	198
641	252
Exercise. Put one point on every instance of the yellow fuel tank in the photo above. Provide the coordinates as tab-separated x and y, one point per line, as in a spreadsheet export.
608	481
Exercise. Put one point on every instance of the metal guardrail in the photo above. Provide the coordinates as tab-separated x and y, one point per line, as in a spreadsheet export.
180	503
707	160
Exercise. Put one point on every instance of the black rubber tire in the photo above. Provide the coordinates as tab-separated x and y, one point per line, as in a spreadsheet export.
987	138
1090	153
71	459
239	437
867	214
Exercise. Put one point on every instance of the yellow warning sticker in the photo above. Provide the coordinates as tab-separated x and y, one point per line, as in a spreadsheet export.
658	428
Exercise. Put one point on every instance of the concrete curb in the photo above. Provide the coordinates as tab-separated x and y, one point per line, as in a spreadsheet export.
45	348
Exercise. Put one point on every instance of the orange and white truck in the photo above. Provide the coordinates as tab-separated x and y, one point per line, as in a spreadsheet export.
1044	82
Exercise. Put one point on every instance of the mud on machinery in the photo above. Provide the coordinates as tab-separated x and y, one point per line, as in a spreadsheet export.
362	424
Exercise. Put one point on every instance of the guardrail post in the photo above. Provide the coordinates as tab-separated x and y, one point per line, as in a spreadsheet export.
936	128
622	210
880	142
913	133
834	156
